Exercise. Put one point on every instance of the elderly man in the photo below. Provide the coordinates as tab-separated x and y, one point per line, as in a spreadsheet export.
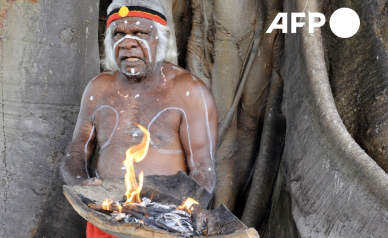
143	88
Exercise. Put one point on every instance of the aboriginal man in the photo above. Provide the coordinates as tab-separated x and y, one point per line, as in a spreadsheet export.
142	87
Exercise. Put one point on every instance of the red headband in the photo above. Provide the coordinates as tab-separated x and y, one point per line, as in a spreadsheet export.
134	11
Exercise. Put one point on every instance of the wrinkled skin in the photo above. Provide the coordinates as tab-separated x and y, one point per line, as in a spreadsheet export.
174	105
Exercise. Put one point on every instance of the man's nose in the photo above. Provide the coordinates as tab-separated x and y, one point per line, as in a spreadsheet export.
129	43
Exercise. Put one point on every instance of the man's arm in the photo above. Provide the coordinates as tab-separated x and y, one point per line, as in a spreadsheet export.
199	141
75	164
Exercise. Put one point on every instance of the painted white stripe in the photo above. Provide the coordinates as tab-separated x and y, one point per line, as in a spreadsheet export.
115	128
187	128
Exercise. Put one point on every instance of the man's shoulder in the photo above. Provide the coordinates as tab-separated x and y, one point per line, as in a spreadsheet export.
103	78
182	77
190	90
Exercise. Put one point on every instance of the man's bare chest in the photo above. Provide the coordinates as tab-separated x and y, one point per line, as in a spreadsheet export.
115	119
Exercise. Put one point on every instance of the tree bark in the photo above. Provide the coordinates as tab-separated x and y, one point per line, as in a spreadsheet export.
49	52
337	190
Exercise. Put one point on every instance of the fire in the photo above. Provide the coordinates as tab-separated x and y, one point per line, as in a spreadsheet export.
188	204
106	204
136	154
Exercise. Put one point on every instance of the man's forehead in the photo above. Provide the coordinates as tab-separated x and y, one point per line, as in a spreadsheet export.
135	21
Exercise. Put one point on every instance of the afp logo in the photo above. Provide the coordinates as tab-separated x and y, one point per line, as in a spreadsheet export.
344	22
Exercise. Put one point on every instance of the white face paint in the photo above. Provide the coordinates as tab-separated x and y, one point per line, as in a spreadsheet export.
91	98
135	38
134	134
132	71
187	93
156	37
125	22
137	95
137	23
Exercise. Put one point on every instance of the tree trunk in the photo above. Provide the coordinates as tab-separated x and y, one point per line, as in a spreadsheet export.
49	52
337	190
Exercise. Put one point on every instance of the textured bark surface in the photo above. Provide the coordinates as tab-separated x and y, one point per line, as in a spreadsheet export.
360	85
49	52
337	190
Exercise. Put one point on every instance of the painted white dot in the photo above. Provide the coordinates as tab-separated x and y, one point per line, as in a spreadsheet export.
132	71
134	134
157	37
210	169
68	155
137	23
91	98
137	95
345	22
377	57
125	22
78	176
187	93
114	23
152	26
122	168
121	111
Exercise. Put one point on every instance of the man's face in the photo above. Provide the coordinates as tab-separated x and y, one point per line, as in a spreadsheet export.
135	45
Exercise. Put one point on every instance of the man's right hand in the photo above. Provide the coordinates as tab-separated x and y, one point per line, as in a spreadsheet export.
92	182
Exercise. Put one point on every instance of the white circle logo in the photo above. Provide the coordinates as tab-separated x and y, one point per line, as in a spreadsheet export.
344	22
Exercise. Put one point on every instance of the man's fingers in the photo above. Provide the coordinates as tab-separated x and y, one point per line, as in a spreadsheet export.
92	182
96	182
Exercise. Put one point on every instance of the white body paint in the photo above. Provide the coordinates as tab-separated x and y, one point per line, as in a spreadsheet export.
187	127
137	96
115	128
125	97
187	93
163	76
91	98
207	121
137	23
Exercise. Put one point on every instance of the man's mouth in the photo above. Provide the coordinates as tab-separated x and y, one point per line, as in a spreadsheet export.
132	59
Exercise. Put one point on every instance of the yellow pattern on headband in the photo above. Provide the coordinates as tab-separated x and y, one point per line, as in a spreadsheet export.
123	11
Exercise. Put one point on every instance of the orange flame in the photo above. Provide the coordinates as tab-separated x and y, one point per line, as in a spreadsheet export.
106	204
187	205
136	154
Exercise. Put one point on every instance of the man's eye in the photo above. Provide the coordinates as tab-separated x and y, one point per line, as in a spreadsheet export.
119	33
140	33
